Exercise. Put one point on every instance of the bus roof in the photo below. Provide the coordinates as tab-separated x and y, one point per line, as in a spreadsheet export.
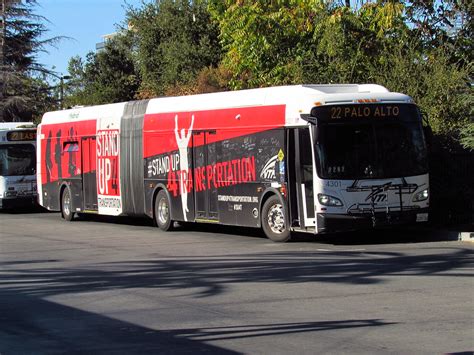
298	99
16	125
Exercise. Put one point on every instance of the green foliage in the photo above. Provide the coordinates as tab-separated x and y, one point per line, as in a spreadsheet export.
23	92
439	87
265	42
175	40
288	41
41	98
448	24
209	79
167	47
176	47
107	76
348	42
419	48
467	136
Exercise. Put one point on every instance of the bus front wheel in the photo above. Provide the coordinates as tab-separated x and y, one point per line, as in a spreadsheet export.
163	212
66	205
274	221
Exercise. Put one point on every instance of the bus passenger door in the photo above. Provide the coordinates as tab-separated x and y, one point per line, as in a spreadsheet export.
301	178
89	182
205	191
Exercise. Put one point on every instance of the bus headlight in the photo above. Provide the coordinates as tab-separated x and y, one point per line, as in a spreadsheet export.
328	200
421	196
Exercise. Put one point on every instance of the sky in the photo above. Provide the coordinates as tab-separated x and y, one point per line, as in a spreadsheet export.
85	21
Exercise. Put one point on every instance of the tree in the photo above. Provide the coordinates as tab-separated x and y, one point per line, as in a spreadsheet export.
4	4
107	76
21	74
467	136
264	42
448	24
438	86
294	41
175	41
309	41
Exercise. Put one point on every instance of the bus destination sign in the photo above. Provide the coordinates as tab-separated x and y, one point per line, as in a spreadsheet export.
361	111
23	135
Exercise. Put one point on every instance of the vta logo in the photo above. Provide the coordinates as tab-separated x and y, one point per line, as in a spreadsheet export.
268	171
378	194
377	198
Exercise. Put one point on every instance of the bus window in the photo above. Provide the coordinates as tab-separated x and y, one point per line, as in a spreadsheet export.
17	159
371	150
71	147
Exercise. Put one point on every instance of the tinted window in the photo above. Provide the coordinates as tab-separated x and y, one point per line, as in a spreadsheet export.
17	159
376	149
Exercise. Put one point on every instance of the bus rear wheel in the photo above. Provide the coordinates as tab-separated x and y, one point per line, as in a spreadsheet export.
163	211
274	221
66	205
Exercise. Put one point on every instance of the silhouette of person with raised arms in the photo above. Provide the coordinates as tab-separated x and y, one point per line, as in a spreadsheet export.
182	139
49	163
57	154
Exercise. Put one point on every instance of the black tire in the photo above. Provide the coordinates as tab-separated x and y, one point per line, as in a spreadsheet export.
66	205
163	211
275	221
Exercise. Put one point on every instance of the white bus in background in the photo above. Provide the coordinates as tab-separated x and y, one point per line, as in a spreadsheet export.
17	164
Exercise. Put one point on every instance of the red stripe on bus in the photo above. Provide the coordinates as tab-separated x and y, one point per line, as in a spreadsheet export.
161	131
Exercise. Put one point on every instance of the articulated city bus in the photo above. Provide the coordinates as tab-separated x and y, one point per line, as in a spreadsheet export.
17	164
310	158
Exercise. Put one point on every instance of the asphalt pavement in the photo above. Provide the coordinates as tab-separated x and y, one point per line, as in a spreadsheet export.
120	285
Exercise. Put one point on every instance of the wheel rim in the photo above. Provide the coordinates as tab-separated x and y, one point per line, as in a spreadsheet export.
67	203
163	211
276	218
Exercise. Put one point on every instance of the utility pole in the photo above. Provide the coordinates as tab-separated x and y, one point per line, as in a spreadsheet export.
61	87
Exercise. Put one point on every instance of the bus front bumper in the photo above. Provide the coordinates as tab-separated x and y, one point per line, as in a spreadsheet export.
329	223
18	202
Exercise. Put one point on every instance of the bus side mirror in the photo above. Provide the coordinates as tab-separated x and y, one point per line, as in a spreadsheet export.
428	132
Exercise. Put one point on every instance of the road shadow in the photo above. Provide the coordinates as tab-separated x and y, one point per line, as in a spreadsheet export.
24	210
392	235
30	325
389	235
206	276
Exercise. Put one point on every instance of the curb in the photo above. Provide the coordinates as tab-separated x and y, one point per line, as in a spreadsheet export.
466	236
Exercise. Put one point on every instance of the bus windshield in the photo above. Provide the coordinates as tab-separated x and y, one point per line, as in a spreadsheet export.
371	148
17	159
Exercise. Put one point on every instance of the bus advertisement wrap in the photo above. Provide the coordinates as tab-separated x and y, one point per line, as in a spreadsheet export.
308	158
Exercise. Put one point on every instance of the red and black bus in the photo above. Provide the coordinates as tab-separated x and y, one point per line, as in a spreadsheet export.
312	158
